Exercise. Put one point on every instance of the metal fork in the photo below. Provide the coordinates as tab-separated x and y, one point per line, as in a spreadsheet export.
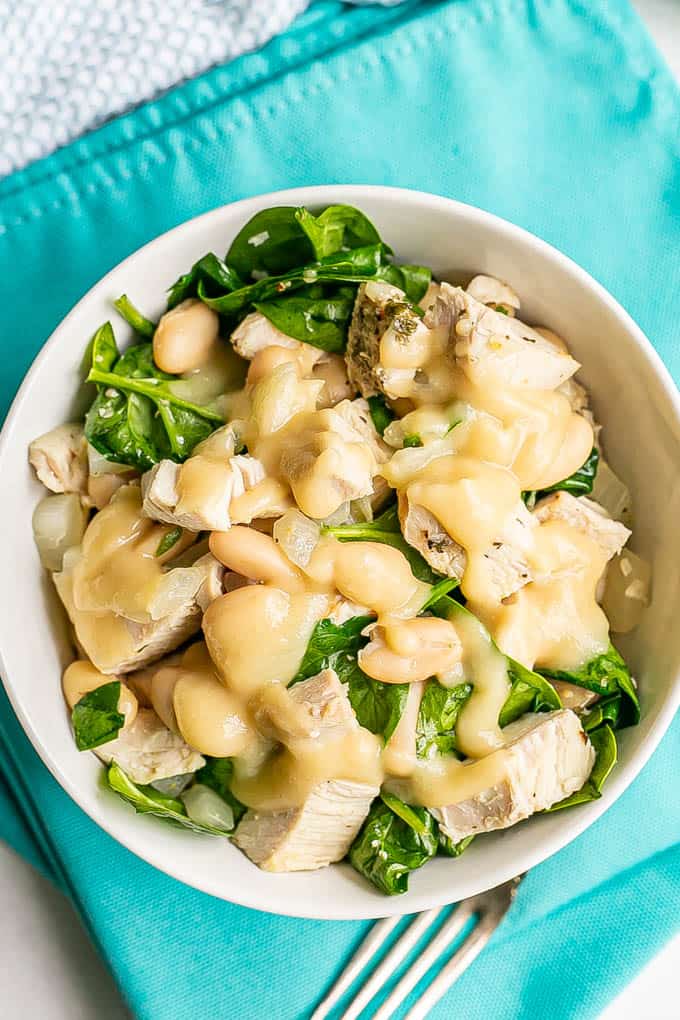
489	908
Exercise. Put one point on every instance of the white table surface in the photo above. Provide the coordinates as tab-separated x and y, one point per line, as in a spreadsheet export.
51	971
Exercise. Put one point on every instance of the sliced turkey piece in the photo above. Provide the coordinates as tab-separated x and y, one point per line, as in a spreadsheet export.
115	644
256	333
491	291
507	556
488	344
148	751
378	307
162	497
586	516
547	757
59	458
321	830
311	708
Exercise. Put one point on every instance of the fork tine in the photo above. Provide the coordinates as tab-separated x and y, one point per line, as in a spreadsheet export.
387	967
373	941
444	937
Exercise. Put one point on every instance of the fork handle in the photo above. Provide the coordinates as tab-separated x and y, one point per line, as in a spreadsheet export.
452	970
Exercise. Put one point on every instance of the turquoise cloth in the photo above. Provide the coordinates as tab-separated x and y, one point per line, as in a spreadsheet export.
556	114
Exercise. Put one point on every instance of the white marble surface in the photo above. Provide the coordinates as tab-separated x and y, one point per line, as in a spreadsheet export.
51	970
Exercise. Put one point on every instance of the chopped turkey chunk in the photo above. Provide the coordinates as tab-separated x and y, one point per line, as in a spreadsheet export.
164	502
321	830
148	751
546	758
59	458
379	308
491	291
256	333
507	556
115	644
493	347
586	516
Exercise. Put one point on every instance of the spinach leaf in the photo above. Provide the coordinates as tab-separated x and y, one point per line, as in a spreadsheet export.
377	706
606	751
169	539
394	840
136	417
147	800
218	773
272	241
530	692
450	849
412	440
338	226
606	674
212	273
319	321
437	716
96	718
579	484
381	414
607	710
333	646
413	280
139	322
386	529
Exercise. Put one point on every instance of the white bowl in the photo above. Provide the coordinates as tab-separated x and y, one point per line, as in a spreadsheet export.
632	394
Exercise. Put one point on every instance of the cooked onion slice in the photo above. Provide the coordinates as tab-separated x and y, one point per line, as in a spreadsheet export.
297	535
58	524
626	592
613	494
205	807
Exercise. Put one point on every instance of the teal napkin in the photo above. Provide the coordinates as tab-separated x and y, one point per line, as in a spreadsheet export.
556	114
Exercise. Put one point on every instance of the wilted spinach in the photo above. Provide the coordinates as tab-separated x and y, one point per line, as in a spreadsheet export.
437	716
606	674
450	849
139	322
212	273
317	320
96	719
377	706
136	418
147	800
579	484
337	227
606	754
381	414
395	840
386	529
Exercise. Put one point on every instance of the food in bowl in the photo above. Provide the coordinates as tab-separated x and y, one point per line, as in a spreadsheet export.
383	501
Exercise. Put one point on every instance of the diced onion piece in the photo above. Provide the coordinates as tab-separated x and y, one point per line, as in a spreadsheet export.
176	588
361	510
407	463
205	807
626	592
99	465
297	535
58	524
613	494
173	785
222	373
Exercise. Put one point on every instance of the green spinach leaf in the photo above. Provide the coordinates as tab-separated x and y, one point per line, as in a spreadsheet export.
381	414
377	706
386	529
272	241
218	773
147	800
145	327
530	692
437	716
606	751
212	273
412	440
395	840
96	719
136	418
413	280
579	484
606	674
448	848
319	321
337	227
